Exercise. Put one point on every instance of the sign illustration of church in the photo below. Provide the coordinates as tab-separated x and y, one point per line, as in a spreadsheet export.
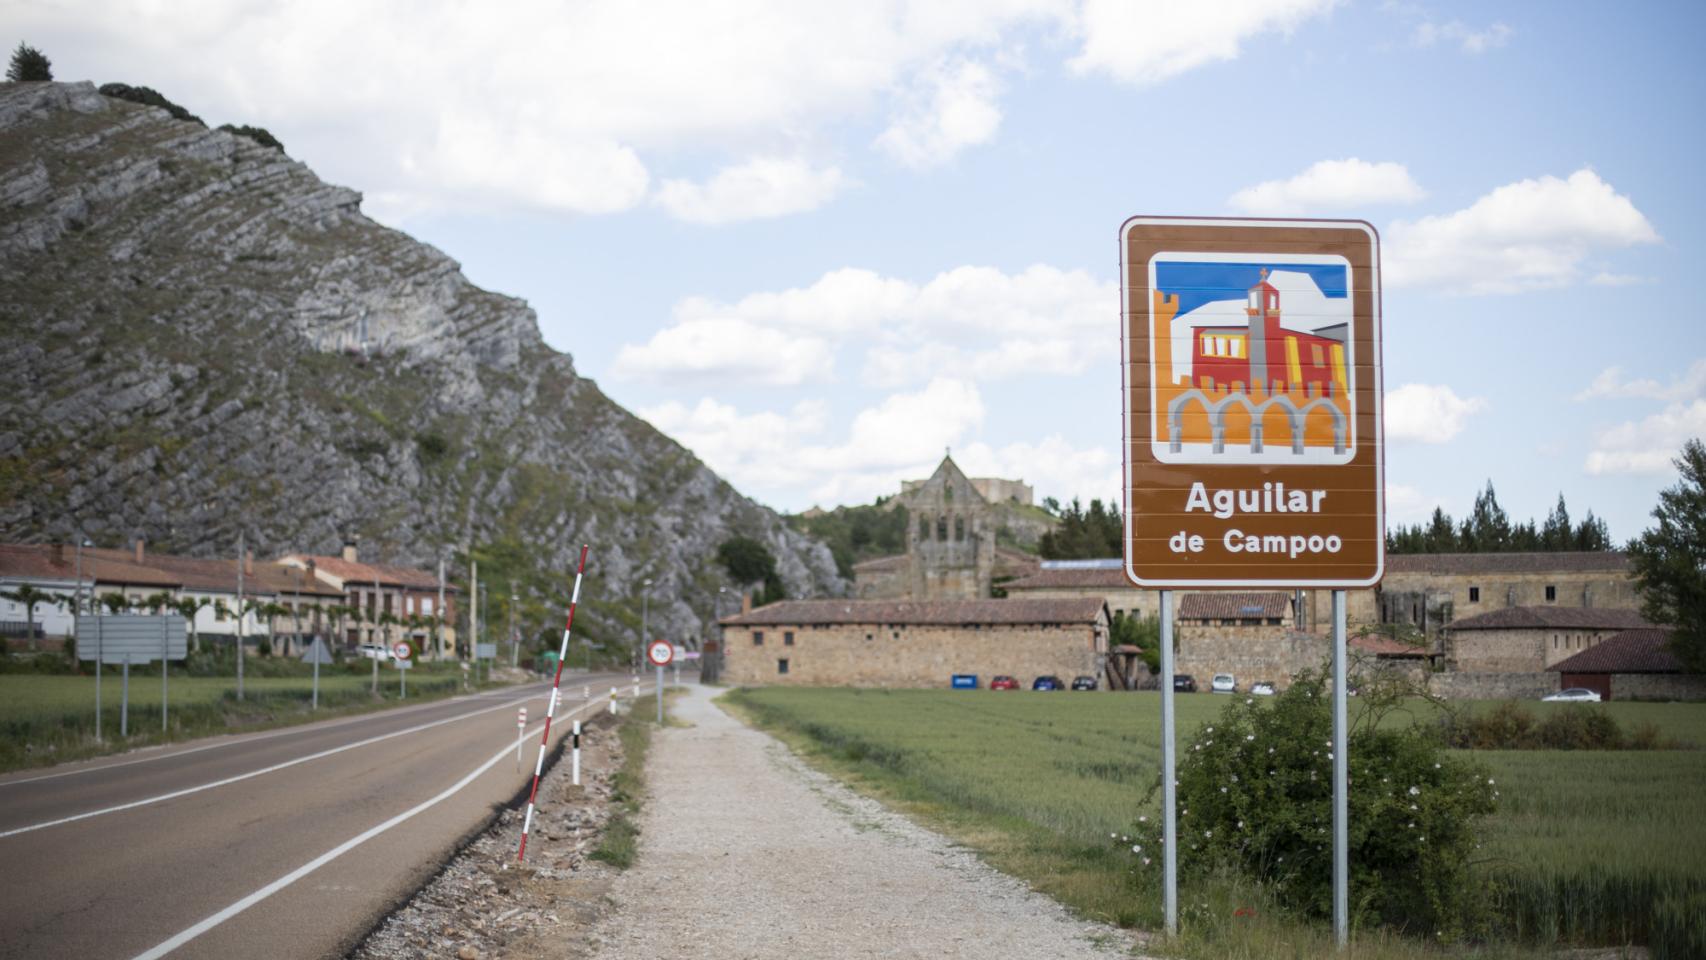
1251	359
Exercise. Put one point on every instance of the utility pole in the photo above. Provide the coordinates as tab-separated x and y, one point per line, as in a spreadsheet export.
473	611
514	648
373	617
438	615
242	545
645	631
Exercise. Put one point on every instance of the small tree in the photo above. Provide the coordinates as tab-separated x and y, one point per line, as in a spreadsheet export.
30	597
187	607
749	561
1669	560
29	64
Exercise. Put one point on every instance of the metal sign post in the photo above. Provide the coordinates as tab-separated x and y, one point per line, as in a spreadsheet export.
400	651
164	662
660	653
124	702
124	639
1253	446
1169	785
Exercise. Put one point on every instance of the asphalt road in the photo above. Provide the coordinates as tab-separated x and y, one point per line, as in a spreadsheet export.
79	878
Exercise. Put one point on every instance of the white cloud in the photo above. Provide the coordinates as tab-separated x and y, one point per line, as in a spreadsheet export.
1427	413
957	109
1611	384
752	450
1330	185
1407	505
1145	43
1468	39
1525	235
1053	468
761	187
726	350
975	321
1648	445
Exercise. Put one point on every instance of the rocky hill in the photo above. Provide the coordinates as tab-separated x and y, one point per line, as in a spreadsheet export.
201	338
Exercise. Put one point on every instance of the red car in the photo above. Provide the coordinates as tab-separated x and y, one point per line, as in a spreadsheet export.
1003	683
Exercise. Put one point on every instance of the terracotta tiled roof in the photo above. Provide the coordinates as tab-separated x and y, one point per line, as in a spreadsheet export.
938	612
1606	561
1641	650
387	574
1234	606
1552	618
1080	579
36	561
1385	646
220	576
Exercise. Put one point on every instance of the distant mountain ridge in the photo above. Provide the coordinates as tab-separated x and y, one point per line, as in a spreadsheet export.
201	338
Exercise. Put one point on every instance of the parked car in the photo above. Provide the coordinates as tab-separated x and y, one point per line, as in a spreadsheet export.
1184	683
1083	683
1262	688
374	651
1003	682
1047	683
1573	695
1223	683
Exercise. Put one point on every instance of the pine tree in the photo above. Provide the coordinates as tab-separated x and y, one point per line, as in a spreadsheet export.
1669	560
1557	534
29	64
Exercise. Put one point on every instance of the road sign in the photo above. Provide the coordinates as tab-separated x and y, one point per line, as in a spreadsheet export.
485	651
401	650
1253	446
317	652
660	653
401	664
131	637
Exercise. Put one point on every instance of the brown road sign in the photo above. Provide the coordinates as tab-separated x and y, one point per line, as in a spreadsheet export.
1253	447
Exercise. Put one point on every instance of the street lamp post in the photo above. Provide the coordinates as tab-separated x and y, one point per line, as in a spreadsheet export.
514	647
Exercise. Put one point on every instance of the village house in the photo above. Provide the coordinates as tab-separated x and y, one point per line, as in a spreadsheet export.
1530	639
394	602
1631	665
877	643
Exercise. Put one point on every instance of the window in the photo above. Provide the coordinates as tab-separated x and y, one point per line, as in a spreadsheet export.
897	634
867	636
758	638
782	665
942	528
959	528
787	638
1474	594
1551	593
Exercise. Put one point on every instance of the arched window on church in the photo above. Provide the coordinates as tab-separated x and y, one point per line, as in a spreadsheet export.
923	528
959	528
942	528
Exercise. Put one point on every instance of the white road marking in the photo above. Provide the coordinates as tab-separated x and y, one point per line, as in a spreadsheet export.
264	770
238	740
220	917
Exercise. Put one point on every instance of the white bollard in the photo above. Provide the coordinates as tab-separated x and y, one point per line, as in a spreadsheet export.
576	752
586	693
636	691
612	699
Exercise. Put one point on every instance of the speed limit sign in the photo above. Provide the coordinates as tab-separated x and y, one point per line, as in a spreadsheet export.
401	651
660	653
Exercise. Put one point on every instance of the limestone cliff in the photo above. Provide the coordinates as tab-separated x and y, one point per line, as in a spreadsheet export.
199	337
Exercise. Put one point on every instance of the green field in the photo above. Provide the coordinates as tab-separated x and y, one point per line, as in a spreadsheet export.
1586	845
48	719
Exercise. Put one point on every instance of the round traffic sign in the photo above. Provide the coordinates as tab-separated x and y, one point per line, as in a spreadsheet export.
400	650
660	653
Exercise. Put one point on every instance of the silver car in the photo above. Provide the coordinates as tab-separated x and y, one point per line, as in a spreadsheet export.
1223	683
1573	695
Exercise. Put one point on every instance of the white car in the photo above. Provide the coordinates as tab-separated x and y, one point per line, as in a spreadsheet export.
1261	688
1573	695
374	651
1223	683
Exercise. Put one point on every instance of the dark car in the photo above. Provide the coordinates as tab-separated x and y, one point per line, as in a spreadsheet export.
1083	683
1003	683
1047	683
1184	683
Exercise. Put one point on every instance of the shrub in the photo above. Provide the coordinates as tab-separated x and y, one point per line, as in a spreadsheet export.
258	134
1509	726
1255	795
148	96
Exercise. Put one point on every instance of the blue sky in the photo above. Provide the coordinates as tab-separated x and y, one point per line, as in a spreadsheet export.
819	243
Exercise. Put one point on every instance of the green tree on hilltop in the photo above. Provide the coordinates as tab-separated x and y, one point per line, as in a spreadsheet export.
29	64
1669	560
748	562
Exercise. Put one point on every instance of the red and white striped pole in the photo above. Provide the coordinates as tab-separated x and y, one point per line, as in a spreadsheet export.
551	707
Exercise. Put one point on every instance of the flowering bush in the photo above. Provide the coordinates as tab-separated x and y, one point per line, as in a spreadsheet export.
1255	791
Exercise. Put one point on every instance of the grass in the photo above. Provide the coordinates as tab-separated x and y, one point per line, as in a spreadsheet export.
619	844
1588	848
46	719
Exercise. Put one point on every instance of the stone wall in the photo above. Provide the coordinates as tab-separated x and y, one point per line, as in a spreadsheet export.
1518	649
1271	653
1493	686
1658	686
874	655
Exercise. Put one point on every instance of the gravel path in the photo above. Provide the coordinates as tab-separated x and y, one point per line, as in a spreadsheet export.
747	853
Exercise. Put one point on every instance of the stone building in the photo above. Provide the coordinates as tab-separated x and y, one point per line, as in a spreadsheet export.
866	643
1530	639
1632	665
951	550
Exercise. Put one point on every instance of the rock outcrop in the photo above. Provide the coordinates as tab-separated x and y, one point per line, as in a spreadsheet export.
201	338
